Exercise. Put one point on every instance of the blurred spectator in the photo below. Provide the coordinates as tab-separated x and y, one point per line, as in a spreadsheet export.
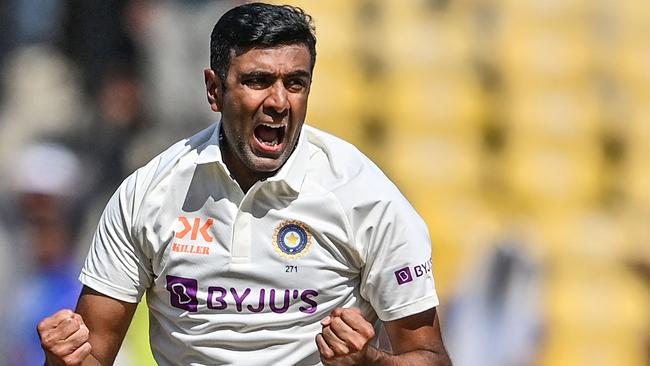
494	318
47	183
42	96
104	137
30	22
98	37
173	36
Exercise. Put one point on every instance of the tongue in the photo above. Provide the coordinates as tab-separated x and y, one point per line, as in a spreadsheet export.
267	134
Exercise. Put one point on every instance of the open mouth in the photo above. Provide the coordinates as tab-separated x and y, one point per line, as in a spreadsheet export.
270	138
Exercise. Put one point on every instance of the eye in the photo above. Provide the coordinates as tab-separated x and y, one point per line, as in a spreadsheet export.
295	85
257	82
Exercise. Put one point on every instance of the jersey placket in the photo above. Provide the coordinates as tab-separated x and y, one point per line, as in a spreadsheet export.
240	252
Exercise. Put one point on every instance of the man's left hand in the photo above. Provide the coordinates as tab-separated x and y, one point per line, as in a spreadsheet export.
345	337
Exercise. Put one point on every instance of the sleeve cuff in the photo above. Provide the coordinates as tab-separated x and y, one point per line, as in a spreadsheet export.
404	310
109	289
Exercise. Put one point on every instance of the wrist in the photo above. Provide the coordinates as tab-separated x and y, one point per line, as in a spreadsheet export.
371	356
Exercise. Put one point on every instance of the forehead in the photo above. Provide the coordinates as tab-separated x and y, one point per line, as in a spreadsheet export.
281	59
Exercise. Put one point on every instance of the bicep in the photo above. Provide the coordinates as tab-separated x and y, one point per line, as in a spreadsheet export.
107	319
420	331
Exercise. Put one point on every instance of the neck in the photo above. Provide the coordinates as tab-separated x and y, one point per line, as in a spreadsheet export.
239	172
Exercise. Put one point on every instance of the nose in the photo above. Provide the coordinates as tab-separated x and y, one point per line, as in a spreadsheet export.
277	100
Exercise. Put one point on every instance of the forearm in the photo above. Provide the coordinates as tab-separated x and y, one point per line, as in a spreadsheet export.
90	360
375	357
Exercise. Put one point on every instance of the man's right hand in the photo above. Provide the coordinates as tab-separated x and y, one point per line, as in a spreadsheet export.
64	338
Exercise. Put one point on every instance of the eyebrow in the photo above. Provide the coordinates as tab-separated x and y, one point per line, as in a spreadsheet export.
296	73
300	73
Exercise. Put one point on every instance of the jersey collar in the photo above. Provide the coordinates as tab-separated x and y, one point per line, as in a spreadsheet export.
292	172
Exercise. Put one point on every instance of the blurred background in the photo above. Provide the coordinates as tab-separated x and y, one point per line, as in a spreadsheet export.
519	129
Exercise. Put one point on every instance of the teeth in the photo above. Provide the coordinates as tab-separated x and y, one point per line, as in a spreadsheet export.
271	126
275	138
270	143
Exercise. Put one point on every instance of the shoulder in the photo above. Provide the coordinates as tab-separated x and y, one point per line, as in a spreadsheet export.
344	170
177	158
354	180
179	155
374	209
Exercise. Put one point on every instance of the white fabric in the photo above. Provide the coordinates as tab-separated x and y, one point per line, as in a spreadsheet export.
233	296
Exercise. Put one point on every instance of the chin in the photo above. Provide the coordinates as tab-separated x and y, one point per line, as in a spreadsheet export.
266	165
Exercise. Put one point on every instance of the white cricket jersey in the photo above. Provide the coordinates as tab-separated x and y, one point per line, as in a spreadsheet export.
244	279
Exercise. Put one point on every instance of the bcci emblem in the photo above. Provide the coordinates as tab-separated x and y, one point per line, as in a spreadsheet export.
292	239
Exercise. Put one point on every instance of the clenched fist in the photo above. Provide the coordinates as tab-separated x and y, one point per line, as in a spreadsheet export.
344	338
64	338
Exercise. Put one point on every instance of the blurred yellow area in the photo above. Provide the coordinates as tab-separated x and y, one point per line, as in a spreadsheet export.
524	117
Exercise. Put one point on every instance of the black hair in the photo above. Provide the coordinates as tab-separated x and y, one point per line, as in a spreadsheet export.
259	25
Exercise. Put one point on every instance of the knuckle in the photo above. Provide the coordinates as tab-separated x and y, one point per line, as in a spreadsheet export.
45	346
340	324
42	326
337	322
72	324
48	341
327	332
62	349
328	355
64	312
85	333
78	318
340	349
357	345
74	347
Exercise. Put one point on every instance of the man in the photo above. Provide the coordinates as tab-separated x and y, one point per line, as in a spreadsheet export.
46	192
259	241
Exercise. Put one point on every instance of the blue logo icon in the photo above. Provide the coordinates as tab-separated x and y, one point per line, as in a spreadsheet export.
292	239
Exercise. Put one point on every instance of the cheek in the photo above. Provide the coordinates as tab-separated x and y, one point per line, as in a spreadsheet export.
236	114
299	104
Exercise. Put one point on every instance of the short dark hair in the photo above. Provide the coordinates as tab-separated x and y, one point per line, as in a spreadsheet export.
259	25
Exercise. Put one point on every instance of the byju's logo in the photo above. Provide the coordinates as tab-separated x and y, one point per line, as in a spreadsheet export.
403	275
182	293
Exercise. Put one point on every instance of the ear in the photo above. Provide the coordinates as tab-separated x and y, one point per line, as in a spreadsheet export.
213	89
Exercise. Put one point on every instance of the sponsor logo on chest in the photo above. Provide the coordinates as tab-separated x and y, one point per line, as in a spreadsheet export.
193	235
184	294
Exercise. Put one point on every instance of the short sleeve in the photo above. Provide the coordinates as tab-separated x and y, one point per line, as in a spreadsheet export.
396	277
116	265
